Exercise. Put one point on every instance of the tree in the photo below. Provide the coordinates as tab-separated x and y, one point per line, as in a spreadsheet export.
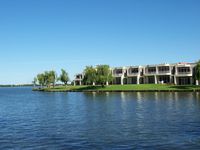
90	75
47	78
41	79
34	81
50	77
104	74
64	77
197	72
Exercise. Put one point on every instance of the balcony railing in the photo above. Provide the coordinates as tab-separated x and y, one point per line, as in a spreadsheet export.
189	72
163	72
117	74
78	78
133	73
150	72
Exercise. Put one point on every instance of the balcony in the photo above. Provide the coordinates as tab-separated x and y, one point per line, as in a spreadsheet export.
133	72
117	74
166	72
78	77
150	70
184	71
150	73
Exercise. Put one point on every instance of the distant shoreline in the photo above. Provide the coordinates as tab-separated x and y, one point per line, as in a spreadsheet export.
122	88
13	85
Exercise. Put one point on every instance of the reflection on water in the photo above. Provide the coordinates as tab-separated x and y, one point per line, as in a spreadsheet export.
139	96
125	120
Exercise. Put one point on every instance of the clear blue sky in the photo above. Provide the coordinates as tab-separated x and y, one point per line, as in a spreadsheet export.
39	35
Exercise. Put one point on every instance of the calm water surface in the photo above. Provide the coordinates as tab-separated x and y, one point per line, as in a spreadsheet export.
36	120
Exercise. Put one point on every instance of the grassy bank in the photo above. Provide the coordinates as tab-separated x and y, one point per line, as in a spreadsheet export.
121	88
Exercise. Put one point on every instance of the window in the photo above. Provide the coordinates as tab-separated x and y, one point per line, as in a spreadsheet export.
151	69
118	71
134	70
183	69
163	69
79	76
165	79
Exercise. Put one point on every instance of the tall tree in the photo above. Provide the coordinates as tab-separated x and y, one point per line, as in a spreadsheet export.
64	77
35	81
51	77
41	79
197	72
104	74
47	78
90	75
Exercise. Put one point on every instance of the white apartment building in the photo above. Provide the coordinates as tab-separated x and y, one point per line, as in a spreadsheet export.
178	74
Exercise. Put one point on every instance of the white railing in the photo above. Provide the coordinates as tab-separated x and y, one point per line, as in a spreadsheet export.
189	72
150	72
117	74
77	79
133	73
163	72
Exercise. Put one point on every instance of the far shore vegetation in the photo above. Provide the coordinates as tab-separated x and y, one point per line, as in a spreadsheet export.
16	85
97	79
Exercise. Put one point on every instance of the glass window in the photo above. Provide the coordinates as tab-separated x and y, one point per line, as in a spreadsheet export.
134	70
118	71
163	68
152	69
183	69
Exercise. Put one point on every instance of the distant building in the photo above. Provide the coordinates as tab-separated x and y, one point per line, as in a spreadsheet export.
178	74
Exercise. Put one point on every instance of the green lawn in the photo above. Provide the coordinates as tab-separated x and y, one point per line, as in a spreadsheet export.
141	87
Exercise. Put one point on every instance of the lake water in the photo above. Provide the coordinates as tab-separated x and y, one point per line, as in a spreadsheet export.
37	120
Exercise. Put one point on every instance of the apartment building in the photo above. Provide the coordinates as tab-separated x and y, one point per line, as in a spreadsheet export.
119	75
161	73
184	73
178	74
